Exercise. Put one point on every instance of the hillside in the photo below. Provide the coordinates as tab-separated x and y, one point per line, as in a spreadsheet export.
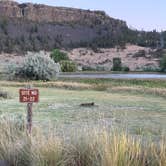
34	27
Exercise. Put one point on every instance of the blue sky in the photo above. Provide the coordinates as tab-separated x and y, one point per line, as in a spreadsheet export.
140	14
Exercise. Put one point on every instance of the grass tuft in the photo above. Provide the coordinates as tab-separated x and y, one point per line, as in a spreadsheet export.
95	147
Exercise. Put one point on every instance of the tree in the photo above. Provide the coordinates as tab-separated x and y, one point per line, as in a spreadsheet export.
117	64
58	56
163	63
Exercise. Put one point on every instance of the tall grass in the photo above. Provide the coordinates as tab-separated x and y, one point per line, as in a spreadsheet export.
95	147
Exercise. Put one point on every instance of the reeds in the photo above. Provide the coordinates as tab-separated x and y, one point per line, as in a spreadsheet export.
89	147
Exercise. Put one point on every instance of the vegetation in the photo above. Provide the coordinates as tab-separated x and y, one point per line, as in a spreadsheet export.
144	85
68	66
117	64
121	107
96	147
110	34
35	67
163	63
126	69
137	119
58	56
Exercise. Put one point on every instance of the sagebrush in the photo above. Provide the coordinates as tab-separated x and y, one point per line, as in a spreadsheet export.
36	66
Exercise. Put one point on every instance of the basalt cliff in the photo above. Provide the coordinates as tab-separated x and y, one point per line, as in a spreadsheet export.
34	27
43	13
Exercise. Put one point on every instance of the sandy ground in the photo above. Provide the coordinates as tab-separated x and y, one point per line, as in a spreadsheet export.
104	58
101	60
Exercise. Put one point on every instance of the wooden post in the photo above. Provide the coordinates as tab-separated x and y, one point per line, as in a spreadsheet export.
29	117
29	95
29	113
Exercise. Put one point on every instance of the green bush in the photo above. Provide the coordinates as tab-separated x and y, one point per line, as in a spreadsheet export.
58	56
35	67
163	63
117	64
125	68
151	69
68	66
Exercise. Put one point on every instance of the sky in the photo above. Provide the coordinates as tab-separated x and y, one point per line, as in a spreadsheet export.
139	14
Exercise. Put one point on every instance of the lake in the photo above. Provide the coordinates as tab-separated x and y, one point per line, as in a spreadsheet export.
115	76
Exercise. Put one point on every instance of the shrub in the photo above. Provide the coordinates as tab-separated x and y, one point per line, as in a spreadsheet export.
58	56
36	67
125	68
117	64
68	66
151	69
163	63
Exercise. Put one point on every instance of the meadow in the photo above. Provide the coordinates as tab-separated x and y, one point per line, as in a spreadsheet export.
126	126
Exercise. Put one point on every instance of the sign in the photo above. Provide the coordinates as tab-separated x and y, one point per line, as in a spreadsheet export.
29	95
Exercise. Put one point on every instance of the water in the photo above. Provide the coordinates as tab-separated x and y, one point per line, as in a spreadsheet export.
115	76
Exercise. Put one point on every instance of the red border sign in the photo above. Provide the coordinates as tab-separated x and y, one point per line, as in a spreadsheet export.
29	95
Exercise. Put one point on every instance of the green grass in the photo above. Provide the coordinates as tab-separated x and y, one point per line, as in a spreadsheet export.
125	127
146	83
140	114
84	147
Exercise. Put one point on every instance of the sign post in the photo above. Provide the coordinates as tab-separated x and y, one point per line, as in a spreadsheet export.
29	95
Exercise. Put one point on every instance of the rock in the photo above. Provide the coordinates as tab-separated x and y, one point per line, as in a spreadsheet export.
44	13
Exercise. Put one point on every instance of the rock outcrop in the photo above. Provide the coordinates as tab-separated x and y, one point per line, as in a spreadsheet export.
44	13
34	27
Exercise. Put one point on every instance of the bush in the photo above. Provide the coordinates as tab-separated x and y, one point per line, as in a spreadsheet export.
151	69
58	56
68	66
163	63
117	64
35	67
125	68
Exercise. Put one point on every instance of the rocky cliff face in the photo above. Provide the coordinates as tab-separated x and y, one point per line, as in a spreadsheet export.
35	27
44	13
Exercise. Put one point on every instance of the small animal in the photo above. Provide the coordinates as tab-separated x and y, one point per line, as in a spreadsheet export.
87	104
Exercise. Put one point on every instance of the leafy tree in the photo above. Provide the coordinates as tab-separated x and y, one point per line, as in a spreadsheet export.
117	64
58	56
163	63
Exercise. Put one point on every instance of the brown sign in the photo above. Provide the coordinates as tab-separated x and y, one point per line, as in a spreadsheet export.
29	95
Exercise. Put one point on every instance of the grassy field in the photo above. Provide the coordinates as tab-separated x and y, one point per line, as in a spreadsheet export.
135	112
125	127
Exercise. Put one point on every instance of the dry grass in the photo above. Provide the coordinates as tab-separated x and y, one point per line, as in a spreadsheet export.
142	90
54	84
98	86
95	147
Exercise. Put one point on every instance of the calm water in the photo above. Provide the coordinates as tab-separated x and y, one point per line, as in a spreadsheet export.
115	76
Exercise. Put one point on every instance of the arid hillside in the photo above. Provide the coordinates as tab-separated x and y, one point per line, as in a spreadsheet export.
91	38
134	57
34	27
